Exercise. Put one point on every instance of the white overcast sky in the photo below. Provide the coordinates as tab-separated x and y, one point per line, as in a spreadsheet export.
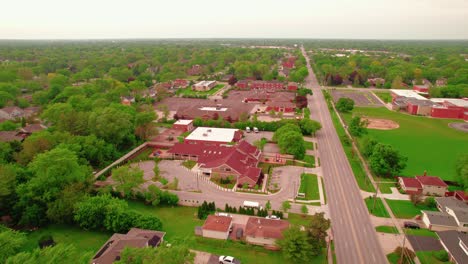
376	19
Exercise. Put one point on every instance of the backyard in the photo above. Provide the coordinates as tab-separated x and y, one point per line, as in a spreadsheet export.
416	137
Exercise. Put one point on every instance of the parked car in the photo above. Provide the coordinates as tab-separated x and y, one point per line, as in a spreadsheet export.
226	260
411	225
247	129
255	129
274	217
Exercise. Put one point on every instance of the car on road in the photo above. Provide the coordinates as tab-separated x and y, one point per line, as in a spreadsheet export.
226	260
274	217
411	225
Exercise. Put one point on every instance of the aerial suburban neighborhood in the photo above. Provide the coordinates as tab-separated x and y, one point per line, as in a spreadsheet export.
123	144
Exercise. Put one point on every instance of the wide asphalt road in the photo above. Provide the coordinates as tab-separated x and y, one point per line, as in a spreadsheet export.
355	237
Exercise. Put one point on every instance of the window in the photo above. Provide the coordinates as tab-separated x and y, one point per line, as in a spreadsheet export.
227	169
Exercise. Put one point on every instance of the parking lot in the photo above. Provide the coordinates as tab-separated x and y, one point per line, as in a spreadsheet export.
360	98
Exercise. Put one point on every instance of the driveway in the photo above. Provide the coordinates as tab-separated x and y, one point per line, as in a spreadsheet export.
252	137
171	169
424	243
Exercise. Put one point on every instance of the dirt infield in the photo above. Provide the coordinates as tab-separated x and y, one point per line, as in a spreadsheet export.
380	124
459	126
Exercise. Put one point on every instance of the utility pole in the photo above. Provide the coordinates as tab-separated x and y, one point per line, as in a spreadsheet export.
375	196
403	249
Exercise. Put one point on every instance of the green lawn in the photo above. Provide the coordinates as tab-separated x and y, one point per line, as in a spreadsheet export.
420	232
309	145
385	96
406	209
429	144
356	165
188	91
387	229
393	258
427	257
379	209
309	186
385	187
85	241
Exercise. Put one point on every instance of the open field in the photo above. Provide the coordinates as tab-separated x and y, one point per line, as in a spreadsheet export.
379	209
309	186
406	209
360	98
430	144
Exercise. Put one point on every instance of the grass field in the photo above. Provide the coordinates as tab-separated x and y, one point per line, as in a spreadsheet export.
188	91
406	209
429	144
387	229
379	209
385	96
309	186
356	165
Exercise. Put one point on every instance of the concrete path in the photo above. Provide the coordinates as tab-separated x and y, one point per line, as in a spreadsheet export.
395	195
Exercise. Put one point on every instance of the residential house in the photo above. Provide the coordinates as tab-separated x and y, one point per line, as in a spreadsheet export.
136	238
217	227
242	84
9	136
456	245
127	100
195	70
427	185
11	113
31	128
452	215
264	232
410	185
432	185
204	85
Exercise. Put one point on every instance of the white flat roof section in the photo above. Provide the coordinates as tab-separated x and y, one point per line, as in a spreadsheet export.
212	134
408	93
183	122
217	109
203	83
455	101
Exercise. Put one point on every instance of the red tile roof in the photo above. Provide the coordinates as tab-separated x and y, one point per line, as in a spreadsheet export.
411	182
217	223
265	228
431	180
461	195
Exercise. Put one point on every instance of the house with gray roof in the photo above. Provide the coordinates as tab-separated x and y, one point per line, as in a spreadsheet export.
453	215
456	245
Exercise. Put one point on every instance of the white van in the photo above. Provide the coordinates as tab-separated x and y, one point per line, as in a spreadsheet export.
247	129
255	130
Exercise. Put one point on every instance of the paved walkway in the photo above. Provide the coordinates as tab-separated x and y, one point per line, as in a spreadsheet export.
395	195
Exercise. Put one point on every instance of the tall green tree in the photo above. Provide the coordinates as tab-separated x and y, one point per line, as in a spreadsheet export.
61	253
386	161
11	242
127	178
317	233
295	245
